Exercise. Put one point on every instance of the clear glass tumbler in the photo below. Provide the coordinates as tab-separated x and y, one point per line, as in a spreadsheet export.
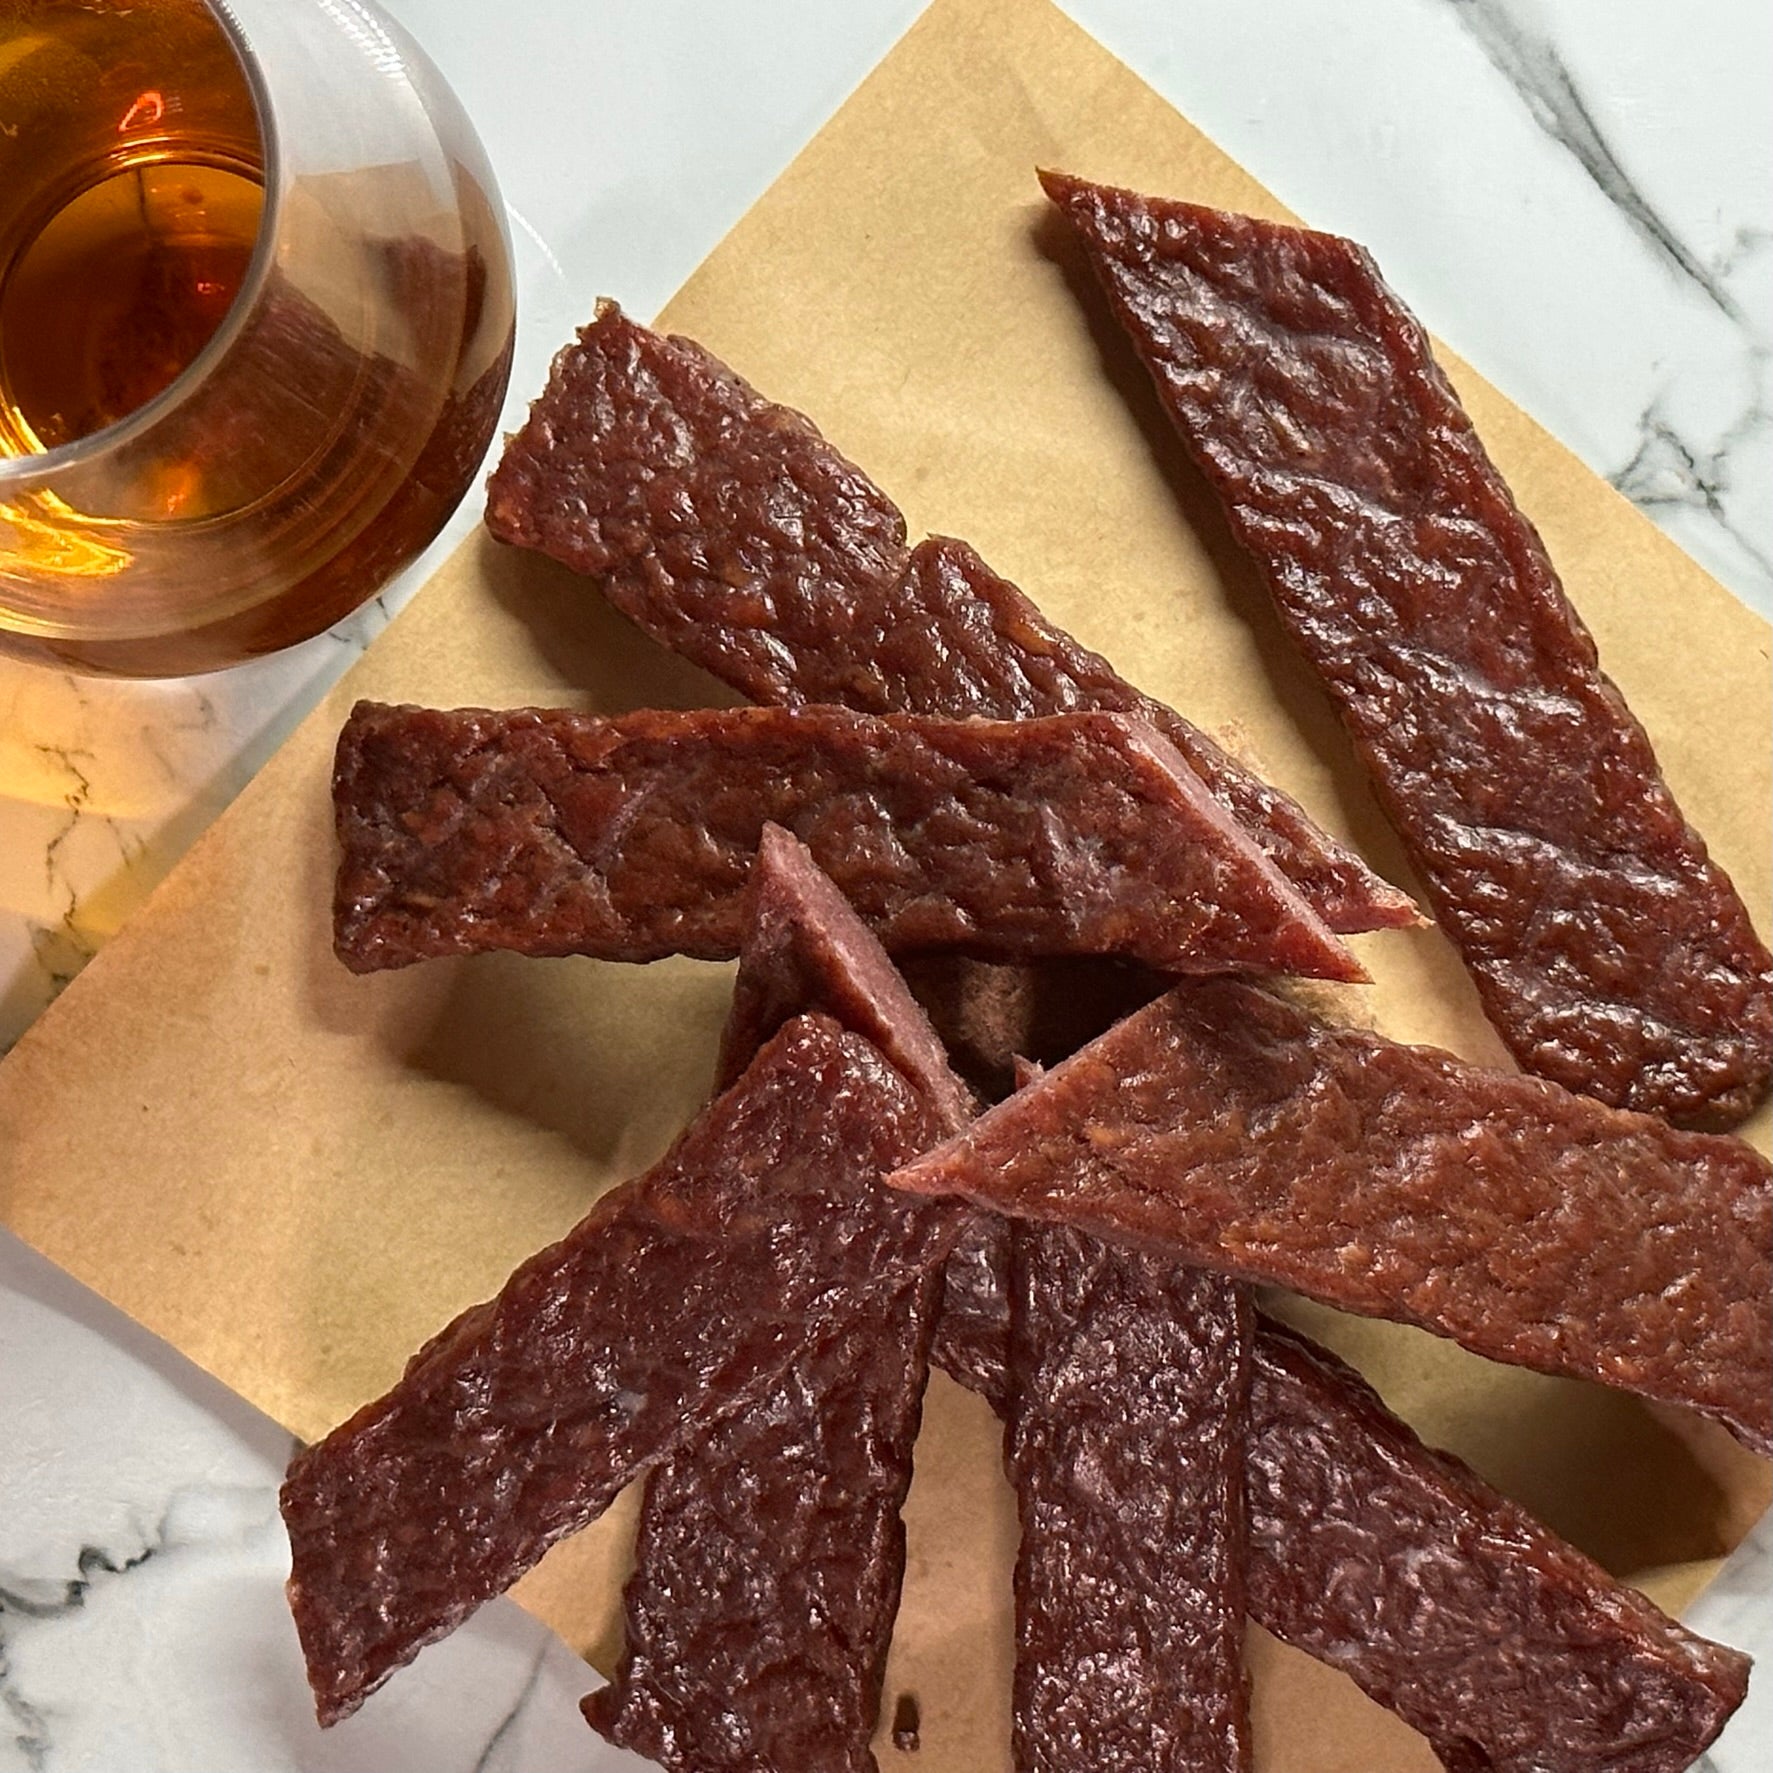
255	323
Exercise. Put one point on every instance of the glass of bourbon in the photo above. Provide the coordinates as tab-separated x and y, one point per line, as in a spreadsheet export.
255	323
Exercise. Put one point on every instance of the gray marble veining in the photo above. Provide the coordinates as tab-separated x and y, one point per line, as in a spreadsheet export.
1515	35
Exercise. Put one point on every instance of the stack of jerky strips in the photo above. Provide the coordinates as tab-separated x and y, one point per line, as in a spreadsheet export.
938	772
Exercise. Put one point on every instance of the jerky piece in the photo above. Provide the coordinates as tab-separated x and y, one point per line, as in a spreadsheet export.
731	531
681	1295
1612	955
1445	1601
1531	1225
630	838
973	1329
769	1559
1126	1446
806	949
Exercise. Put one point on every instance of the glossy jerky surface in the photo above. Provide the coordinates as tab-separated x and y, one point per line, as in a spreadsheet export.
1531	1225
1126	1446
1439	1597
681	1296
631	838
729	529
769	1558
1611	954
1506	1647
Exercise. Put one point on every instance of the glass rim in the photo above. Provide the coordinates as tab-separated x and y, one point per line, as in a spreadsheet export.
31	470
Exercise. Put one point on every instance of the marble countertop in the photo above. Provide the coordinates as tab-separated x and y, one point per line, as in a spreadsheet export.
1573	193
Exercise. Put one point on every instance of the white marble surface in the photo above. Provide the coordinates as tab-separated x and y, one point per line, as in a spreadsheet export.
1574	193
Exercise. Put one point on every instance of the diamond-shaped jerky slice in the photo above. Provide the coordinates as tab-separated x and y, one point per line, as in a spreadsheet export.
630	838
681	1295
770	1554
731	531
1611	953
1532	1225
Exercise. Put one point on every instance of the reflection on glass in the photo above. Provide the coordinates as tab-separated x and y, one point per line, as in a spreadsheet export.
255	322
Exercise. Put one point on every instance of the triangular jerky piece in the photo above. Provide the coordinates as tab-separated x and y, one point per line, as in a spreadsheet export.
1532	1225
1612	955
731	531
681	1296
806	949
630	837
770	1555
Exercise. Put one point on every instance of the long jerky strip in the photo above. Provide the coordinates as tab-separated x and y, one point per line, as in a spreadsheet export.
630	838
1531	1225
770	1556
1611	953
1129	1380
1509	1650
682	1295
1439	1597
727	528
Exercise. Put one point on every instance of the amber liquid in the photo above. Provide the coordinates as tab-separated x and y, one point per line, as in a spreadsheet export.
118	292
339	360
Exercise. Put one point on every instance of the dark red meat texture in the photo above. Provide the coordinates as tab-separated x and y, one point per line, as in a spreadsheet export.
806	949
729	529
681	1296
1612	955
630	838
1504	1646
1129	1379
769	1558
1439	1597
1531	1225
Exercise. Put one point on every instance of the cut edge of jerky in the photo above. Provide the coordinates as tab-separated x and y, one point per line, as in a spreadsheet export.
1229	1126
630	427
438	1495
807	949
1612	954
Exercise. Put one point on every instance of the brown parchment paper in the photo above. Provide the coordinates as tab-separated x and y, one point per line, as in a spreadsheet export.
296	1175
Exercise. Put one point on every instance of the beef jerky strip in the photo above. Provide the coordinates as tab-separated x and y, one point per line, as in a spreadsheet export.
1129	1380
731	531
1439	1597
769	1558
806	949
630	838
1531	1225
1508	1649
1612	955
681	1296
